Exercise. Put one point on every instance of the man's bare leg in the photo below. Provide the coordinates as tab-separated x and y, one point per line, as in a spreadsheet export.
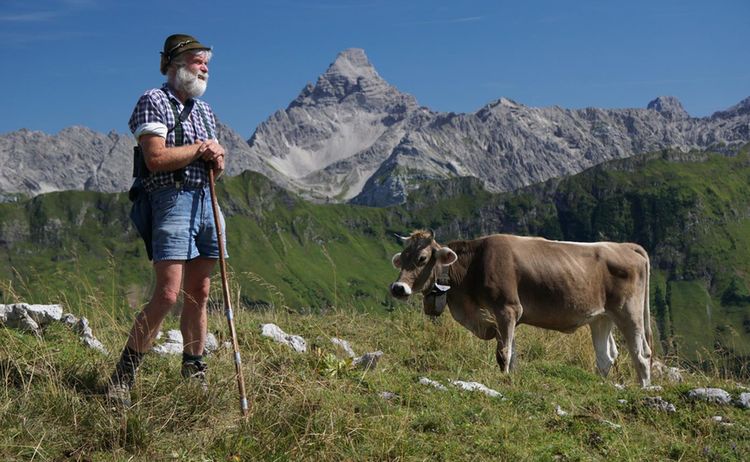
194	320
164	298
145	328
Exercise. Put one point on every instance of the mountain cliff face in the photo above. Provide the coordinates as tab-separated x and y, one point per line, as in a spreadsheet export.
508	145
78	158
354	137
337	133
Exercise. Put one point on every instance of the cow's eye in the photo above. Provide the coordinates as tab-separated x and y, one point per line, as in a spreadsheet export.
422	260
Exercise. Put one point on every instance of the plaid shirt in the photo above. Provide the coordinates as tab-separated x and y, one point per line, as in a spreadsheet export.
154	107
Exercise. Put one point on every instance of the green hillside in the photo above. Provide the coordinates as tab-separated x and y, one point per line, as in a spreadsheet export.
690	211
316	406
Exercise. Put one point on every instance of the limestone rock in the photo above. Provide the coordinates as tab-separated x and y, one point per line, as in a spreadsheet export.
432	383
744	400
656	402
344	346
672	374
294	341
711	395
69	320
42	314
83	329
368	360
388	395
476	386
5	310
173	344
32	318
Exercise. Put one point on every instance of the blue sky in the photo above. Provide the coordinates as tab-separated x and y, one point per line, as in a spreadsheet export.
85	62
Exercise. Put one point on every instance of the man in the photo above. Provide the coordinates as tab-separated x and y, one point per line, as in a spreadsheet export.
184	245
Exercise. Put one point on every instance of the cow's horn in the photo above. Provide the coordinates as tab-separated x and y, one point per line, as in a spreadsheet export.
432	233
401	237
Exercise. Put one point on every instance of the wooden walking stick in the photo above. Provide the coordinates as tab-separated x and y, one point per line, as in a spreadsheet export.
227	300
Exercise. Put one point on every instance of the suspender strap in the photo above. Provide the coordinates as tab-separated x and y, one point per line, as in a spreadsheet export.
179	133
205	123
207	126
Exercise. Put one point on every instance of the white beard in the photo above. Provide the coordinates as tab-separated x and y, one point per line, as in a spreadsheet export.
189	83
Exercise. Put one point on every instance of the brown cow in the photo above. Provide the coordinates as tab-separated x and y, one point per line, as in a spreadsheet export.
493	283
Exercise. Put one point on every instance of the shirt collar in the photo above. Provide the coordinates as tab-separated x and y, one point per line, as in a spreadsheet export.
172	95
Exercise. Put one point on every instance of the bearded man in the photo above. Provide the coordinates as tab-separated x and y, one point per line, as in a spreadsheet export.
176	133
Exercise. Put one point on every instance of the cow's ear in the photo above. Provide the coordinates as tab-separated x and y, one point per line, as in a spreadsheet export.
396	260
446	256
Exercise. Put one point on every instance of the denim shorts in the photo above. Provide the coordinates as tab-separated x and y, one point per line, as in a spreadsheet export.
183	224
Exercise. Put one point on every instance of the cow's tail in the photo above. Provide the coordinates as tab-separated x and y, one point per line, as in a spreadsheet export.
647	307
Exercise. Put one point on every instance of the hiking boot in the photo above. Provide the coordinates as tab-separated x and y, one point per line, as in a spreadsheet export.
123	378
195	370
118	395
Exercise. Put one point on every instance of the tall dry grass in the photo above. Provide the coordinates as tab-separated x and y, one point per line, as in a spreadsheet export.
318	406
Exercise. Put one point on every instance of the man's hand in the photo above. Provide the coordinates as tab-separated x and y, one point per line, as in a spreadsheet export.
213	153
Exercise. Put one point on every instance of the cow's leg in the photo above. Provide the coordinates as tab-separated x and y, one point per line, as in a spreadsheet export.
506	327
630	323
513	355
604	344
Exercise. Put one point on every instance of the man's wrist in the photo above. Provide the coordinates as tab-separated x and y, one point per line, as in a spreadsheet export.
198	151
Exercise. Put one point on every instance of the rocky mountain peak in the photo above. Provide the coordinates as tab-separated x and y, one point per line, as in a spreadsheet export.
670	107
744	104
353	137
352	64
739	109
352	78
498	107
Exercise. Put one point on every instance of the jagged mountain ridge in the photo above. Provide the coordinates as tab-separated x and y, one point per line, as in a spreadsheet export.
505	144
354	137
78	158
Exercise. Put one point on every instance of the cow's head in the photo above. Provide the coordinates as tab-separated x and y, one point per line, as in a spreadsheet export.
420	263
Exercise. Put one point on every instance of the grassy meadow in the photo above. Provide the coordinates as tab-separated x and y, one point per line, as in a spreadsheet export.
321	271
691	211
316	406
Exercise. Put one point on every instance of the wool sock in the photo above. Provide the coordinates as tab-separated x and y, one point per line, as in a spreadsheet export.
127	366
187	357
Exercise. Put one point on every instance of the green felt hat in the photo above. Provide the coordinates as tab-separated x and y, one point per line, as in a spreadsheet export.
176	44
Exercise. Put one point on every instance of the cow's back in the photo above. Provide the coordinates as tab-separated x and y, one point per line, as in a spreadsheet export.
563	285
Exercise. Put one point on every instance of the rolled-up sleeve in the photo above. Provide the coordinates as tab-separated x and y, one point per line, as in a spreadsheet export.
148	117
151	128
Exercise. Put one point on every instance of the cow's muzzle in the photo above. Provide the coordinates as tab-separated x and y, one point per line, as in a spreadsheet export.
400	290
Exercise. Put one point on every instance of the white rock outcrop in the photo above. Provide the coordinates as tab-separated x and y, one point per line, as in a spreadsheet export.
672	374
744	400
294	341
656	402
344	345
476	386
432	383
29	317
711	395
33	318
173	345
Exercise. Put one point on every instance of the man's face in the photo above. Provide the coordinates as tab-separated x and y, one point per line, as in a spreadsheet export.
197	64
191	76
